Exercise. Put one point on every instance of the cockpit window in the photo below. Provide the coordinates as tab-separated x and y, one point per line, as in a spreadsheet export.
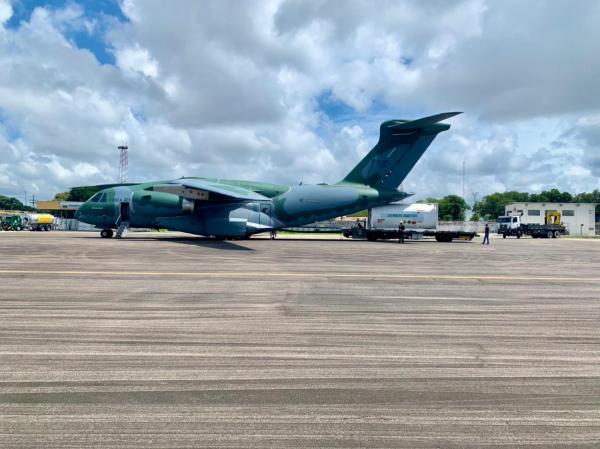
96	197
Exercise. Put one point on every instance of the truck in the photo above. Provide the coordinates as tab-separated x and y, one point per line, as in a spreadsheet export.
11	222
515	225
38	222
419	219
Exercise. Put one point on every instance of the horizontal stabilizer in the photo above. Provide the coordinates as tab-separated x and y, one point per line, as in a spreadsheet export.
422	122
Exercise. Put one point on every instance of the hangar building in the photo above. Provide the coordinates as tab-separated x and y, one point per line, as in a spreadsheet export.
578	218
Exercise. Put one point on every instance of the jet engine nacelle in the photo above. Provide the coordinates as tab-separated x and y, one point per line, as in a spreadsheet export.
161	204
236	221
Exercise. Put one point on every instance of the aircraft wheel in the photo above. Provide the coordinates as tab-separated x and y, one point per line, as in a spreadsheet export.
106	233
550	234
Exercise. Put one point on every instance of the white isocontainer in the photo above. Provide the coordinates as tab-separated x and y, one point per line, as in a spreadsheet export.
417	216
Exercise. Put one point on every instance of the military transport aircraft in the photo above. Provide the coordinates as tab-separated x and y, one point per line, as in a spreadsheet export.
225	208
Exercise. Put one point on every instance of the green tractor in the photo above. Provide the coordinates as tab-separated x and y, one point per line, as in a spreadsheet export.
11	223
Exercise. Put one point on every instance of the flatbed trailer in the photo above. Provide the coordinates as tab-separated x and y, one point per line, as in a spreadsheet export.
544	231
373	235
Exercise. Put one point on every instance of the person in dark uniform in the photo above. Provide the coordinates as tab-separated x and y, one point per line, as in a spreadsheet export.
401	229
486	235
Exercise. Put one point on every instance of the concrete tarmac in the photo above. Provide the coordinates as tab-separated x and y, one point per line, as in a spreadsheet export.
162	340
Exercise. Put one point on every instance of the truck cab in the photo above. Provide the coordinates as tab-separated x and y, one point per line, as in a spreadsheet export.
509	225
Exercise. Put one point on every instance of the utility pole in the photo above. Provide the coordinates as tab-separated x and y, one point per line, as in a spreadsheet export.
463	179
123	163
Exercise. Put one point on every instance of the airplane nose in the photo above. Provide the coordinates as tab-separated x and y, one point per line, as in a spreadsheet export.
77	214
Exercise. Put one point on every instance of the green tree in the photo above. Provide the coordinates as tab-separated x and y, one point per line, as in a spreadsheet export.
453	208
591	197
450	207
62	196
83	193
13	204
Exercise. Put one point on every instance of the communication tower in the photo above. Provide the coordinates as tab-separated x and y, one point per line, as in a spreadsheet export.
123	163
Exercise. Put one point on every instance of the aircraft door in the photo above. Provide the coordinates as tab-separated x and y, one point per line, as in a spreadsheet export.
125	216
265	214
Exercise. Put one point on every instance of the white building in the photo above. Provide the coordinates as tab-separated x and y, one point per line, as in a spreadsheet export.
578	218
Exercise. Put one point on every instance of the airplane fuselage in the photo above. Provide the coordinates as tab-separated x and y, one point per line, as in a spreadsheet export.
283	206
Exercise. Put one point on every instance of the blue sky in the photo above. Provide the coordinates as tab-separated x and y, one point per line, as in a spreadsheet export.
283	90
102	11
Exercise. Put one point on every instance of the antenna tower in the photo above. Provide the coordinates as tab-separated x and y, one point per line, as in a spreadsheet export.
123	163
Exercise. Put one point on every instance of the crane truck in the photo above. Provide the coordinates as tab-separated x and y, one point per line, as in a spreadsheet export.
514	225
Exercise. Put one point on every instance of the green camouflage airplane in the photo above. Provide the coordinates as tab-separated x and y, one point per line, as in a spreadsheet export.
237	209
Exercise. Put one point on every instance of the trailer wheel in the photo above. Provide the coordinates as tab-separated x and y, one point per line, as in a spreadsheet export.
556	234
106	233
549	234
371	238
503	236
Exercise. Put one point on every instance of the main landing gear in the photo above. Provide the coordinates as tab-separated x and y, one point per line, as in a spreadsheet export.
106	233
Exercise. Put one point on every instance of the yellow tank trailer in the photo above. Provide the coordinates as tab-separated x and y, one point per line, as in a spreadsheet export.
38	222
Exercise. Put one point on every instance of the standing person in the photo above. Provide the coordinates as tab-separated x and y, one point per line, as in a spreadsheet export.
486	235
401	233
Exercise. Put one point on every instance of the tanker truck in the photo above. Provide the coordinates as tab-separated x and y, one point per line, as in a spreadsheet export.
38	222
419	219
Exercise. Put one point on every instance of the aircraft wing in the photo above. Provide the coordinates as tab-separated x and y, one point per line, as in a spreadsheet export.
202	189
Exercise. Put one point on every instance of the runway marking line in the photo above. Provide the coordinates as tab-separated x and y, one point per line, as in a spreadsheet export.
240	274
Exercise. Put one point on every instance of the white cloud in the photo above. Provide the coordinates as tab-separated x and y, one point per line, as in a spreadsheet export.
237	89
136	59
6	11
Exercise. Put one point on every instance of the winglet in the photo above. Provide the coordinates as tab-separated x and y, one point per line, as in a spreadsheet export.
421	122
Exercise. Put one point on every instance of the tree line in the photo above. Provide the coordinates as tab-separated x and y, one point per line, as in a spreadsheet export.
492	206
11	203
454	207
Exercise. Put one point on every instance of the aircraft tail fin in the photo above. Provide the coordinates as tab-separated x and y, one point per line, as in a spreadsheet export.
401	144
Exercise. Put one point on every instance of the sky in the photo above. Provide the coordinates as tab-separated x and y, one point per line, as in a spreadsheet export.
291	91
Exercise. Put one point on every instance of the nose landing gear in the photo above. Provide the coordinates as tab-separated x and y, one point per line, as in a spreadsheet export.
106	233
